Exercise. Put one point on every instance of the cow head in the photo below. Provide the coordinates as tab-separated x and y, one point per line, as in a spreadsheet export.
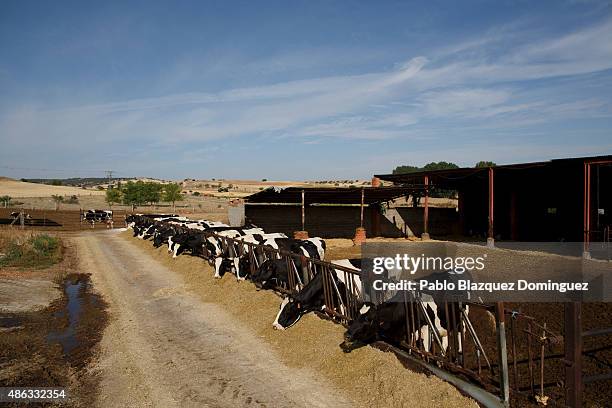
362	330
264	273
223	265
288	315
159	239
244	267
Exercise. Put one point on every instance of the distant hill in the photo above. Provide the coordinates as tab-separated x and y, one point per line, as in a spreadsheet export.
20	189
73	181
87	181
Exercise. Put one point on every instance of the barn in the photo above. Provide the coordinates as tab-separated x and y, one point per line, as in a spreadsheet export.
558	200
561	200
326	212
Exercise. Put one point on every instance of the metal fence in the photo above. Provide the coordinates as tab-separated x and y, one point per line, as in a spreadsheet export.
519	355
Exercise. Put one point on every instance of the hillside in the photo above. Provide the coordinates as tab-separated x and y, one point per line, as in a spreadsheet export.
20	189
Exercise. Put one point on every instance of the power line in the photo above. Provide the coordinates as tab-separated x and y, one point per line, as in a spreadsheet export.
109	174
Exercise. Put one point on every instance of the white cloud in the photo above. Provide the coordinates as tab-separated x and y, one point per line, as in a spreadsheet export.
422	98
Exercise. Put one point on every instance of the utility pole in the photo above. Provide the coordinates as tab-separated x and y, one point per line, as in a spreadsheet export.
109	174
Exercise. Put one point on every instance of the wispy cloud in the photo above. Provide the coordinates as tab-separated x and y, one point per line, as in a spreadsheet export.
460	86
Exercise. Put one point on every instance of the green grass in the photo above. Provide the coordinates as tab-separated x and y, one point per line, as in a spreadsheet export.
37	251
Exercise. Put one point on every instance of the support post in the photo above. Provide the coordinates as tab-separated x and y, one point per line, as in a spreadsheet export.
362	201
573	354
425	234
587	209
504	378
302	234
303	212
360	233
490	233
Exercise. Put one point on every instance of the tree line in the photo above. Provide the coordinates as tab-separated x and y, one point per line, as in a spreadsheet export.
441	165
140	193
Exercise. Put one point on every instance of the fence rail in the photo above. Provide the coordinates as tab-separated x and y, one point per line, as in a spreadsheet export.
518	357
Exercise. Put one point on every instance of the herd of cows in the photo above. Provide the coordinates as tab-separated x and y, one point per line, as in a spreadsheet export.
389	319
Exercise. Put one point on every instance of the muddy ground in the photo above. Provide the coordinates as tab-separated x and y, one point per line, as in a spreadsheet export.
50	324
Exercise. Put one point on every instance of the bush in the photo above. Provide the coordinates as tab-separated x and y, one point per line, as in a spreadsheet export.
38	251
72	200
196	193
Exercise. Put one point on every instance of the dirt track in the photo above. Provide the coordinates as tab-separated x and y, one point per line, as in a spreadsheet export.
165	347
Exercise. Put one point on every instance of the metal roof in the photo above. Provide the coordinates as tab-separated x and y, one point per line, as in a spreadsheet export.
455	177
331	195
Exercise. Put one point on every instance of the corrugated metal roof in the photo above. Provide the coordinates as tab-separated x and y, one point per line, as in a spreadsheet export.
332	195
454	177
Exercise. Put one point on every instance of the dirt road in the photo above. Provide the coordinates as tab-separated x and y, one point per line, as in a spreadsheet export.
164	347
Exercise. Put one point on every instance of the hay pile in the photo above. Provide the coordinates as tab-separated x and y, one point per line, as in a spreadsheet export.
368	376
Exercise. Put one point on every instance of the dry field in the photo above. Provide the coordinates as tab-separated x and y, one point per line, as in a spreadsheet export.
242	188
20	189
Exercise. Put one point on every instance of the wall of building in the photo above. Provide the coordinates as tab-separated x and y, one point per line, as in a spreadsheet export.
443	222
322	221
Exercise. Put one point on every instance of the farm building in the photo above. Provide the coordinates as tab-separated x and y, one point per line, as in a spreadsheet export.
557	200
325	212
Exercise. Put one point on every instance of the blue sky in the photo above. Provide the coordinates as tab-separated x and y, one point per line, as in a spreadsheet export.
299	90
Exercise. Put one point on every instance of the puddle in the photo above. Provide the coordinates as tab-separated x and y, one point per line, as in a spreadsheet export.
67	338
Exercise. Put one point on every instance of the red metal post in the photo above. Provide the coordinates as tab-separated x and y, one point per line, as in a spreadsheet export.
303	212
491	203
587	205
426	208
362	201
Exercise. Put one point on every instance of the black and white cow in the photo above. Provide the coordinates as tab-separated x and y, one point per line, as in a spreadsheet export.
311	297
15	215
97	215
275	272
313	247
213	245
388	320
236	263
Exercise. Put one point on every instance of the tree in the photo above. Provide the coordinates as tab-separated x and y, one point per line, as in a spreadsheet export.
482	164
133	193
442	165
172	193
405	169
113	196
5	200
58	200
152	192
